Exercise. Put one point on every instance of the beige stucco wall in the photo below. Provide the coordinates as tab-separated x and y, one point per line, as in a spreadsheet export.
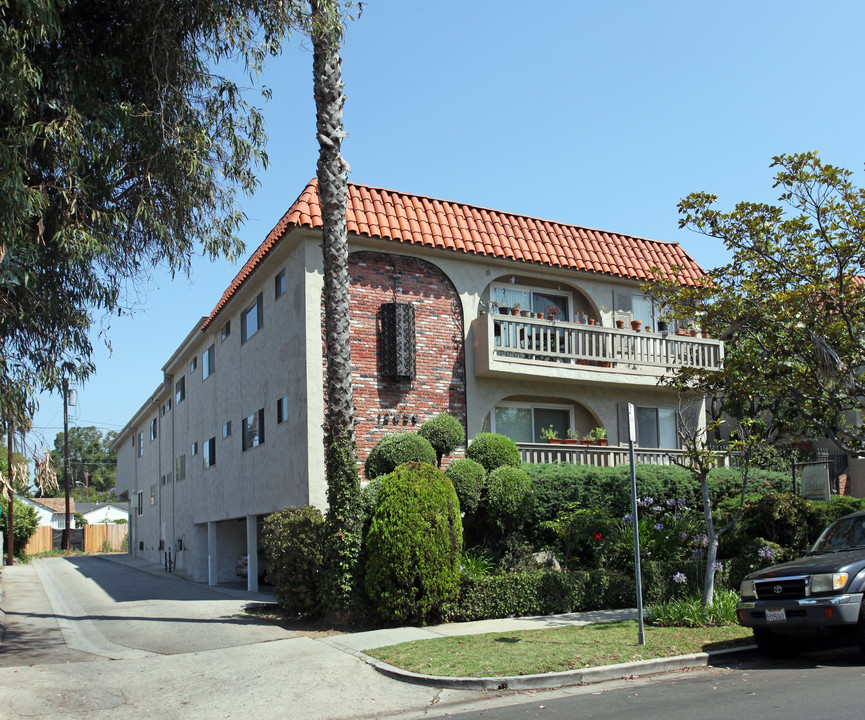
285	358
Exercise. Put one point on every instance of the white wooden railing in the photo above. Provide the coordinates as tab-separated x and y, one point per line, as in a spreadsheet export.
517	339
595	455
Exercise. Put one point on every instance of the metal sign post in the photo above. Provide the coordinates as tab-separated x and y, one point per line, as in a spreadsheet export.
632	438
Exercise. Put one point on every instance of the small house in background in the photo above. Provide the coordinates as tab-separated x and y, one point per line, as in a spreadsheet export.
51	511
103	513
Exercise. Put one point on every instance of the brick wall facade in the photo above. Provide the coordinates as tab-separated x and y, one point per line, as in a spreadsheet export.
386	404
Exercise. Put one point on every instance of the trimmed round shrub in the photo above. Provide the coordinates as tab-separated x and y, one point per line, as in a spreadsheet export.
414	545
468	478
493	450
395	449
445	433
293	542
509	492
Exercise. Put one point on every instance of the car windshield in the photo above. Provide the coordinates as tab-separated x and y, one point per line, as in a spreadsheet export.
844	534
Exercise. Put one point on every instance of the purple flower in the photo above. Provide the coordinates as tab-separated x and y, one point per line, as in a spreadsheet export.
683	536
718	567
679	578
669	502
701	540
648	501
765	552
659	526
627	518
698	554
657	508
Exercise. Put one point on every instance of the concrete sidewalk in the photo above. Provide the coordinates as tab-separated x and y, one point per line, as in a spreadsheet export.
354	644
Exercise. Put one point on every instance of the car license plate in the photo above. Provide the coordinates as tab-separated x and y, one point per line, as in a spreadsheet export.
776	615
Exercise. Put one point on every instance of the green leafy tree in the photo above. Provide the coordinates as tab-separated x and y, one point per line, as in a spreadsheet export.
92	462
23	526
790	304
122	148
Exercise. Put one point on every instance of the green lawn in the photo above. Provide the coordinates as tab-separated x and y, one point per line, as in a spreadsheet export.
529	652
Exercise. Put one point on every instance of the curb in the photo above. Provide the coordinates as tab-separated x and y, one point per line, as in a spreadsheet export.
546	681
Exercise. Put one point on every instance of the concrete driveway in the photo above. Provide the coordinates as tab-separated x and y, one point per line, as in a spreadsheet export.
88	636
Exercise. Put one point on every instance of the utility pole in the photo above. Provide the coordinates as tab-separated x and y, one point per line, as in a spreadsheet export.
10	537
66	530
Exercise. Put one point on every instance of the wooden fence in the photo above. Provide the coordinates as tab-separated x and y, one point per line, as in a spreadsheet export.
97	538
104	538
40	541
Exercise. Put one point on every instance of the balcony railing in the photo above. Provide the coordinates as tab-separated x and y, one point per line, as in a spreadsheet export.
595	455
507	339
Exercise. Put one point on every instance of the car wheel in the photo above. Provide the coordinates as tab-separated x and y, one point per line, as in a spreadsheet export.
776	646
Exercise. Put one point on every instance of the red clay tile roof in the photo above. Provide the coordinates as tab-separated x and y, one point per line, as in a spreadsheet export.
388	215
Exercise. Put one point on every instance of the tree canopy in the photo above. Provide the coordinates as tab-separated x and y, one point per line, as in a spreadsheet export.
790	303
92	463
122	148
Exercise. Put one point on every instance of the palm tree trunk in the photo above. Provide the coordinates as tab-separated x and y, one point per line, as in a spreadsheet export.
343	483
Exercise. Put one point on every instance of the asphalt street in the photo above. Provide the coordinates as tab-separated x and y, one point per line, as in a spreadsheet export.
87	636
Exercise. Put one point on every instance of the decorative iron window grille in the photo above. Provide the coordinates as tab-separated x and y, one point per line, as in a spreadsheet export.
397	340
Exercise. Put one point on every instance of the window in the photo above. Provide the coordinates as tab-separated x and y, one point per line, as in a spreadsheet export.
140	443
638	305
180	468
208	452
251	320
522	422
180	391
193	364
153	428
279	284
656	427
194	450
253	430
225	332
226	430
139	502
208	362
282	409
166	479
531	299
153	494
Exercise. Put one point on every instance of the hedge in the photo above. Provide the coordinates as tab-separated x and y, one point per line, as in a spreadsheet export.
538	592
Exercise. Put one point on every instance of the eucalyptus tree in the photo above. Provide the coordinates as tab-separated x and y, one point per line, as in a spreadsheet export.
122	148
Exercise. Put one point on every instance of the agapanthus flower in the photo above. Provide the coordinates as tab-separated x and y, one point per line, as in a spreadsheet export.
765	552
679	578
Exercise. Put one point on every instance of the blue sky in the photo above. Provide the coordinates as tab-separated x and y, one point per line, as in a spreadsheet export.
595	114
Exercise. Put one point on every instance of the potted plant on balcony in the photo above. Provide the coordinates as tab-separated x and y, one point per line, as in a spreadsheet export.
636	325
620	324
551	312
572	437
587	439
550	435
599	435
515	309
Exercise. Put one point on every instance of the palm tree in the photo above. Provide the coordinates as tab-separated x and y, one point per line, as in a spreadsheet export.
343	482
